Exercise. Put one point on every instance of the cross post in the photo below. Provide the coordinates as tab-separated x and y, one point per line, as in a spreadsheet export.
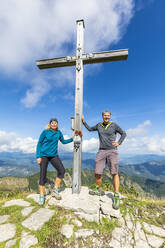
79	60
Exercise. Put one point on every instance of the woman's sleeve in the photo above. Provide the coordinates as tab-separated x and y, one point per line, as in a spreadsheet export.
40	141
64	141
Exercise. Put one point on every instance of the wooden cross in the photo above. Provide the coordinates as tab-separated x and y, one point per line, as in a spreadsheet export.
79	60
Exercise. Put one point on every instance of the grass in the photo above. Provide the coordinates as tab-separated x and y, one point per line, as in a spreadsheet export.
50	236
145	210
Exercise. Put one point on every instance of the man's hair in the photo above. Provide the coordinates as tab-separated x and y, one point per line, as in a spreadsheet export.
106	111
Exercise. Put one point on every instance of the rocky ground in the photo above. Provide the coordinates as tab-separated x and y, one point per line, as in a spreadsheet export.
81	221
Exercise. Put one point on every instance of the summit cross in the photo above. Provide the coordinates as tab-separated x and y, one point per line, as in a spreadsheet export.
79	60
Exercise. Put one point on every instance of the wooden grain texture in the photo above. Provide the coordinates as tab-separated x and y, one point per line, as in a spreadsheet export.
89	58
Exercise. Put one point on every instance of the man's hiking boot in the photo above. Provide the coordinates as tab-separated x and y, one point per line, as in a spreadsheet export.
56	194
95	191
116	201
42	200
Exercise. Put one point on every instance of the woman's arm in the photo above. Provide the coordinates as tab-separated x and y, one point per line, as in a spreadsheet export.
40	141
65	141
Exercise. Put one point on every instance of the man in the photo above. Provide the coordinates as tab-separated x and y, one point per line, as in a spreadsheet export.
107	131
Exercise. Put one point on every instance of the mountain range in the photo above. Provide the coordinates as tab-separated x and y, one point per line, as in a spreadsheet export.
149	166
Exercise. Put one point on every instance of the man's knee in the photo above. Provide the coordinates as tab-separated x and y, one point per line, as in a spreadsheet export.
115	174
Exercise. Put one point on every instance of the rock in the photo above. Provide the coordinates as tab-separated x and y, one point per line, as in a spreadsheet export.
140	238
107	197
7	231
67	180
35	197
154	241
18	202
114	243
158	230
4	218
147	227
96	242
154	229
88	206
108	210
77	202
121	221
88	217
26	211
83	233
10	243
77	222
67	230
27	240
141	243
121	237
37	219
129	222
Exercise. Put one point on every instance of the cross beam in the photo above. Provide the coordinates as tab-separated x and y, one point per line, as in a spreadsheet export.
79	60
89	58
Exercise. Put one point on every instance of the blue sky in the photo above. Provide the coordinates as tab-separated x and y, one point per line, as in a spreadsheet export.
132	90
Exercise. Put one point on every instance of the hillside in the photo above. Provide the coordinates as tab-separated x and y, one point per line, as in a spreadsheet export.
138	186
135	185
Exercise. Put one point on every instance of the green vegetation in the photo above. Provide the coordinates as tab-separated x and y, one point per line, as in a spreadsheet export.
50	235
142	210
136	186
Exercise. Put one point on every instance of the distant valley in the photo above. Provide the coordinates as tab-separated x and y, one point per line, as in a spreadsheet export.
21	165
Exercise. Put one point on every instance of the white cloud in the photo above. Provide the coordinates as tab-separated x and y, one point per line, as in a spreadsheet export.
39	88
11	142
140	130
90	145
135	144
32	30
138	142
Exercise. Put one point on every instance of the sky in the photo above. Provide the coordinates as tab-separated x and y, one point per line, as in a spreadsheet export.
133	90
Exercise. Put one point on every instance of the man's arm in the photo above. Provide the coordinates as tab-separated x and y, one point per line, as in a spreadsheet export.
94	128
122	133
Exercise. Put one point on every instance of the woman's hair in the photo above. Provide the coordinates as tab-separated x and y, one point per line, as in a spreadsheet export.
48	127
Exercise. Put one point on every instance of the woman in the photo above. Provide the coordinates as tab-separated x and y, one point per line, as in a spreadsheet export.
47	150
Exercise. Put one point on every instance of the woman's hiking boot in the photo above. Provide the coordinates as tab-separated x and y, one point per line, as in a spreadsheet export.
42	200
116	201
56	194
95	191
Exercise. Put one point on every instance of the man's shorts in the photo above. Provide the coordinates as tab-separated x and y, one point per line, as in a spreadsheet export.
107	156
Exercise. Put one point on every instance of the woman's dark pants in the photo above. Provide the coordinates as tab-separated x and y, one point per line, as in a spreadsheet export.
57	164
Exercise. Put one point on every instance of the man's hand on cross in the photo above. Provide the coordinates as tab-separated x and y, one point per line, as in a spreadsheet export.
82	118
